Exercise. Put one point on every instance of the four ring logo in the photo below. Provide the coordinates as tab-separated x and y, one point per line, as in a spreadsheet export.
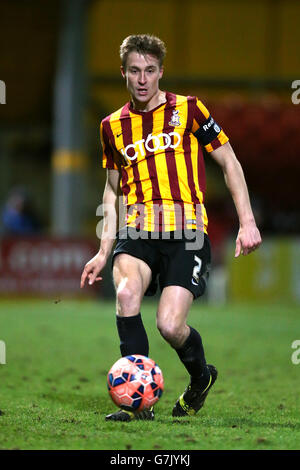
158	142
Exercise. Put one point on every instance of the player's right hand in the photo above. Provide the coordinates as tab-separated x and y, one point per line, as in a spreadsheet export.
92	269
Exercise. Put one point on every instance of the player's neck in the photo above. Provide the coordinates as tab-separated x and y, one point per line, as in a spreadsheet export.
156	100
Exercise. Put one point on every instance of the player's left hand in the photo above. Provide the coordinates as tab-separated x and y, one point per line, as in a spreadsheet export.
248	240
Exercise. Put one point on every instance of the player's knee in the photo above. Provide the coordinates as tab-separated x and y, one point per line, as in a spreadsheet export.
172	333
128	298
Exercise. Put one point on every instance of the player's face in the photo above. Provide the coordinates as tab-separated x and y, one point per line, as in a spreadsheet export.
142	75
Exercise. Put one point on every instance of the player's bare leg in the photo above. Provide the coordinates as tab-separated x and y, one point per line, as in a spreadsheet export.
172	312
131	276
172	315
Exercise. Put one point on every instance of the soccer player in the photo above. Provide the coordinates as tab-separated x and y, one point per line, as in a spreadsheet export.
152	150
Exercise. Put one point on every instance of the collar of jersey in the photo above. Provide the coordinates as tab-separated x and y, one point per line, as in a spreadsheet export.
145	113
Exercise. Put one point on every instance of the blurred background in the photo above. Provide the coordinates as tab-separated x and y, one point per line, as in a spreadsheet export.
59	67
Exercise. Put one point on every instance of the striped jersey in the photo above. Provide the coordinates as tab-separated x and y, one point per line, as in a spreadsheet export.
159	156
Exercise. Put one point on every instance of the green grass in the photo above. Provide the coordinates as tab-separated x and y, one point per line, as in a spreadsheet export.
53	388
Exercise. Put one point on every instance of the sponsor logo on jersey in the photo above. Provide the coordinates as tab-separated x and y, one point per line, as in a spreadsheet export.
210	123
152	143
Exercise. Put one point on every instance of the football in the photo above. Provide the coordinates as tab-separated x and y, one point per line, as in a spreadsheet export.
135	383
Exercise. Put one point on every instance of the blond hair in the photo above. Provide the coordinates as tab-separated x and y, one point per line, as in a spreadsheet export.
143	44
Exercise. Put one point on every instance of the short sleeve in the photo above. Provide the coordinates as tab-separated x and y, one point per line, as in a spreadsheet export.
208	132
109	154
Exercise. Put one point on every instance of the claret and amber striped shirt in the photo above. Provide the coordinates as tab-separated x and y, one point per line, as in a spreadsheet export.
159	156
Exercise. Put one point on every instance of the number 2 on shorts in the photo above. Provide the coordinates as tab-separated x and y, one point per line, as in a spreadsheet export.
196	270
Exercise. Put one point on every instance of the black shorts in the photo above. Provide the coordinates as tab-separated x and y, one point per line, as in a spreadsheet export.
172	262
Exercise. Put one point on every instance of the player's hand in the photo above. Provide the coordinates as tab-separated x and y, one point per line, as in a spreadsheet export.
248	240
92	269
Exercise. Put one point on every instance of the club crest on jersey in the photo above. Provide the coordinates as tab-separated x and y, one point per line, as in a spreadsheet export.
175	120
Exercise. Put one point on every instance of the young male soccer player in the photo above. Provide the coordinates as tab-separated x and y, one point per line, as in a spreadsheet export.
152	152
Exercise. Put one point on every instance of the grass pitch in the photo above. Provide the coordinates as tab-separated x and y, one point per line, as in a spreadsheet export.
53	387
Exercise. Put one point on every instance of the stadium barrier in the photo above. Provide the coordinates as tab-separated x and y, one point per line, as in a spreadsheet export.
38	266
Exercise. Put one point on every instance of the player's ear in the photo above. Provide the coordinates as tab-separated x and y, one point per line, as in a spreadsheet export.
122	71
161	71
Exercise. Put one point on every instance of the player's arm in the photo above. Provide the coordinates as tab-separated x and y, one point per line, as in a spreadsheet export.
110	223
248	238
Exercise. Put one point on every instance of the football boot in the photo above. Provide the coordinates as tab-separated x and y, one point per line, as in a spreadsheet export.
193	398
124	415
